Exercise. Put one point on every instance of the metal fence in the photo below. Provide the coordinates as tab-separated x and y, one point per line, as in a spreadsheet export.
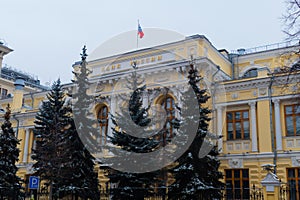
252	193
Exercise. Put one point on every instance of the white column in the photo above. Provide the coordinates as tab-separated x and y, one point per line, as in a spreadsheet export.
277	125
1	59
113	104
220	127
113	112
25	152
253	126
145	99
179	103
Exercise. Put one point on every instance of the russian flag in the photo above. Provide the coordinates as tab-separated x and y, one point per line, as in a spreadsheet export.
140	31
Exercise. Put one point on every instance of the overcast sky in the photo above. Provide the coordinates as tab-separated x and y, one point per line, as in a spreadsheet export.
47	36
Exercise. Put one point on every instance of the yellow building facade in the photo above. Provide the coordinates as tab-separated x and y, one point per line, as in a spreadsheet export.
254	101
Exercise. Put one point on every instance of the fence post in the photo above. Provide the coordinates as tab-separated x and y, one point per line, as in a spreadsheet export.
271	184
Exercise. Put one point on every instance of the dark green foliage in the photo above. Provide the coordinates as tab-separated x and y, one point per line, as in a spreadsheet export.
133	185
77	174
83	116
10	183
195	177
49	124
85	125
62	160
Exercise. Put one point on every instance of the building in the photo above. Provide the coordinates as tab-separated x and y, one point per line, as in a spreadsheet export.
255	103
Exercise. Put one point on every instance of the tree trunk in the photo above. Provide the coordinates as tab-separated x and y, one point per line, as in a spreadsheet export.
50	193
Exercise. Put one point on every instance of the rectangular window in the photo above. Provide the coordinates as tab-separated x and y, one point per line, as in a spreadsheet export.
292	120
238	125
3	93
293	177
237	184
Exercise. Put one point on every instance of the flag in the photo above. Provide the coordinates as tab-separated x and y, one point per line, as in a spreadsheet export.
140	31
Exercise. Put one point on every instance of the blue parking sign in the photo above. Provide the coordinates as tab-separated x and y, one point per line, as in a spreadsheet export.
34	182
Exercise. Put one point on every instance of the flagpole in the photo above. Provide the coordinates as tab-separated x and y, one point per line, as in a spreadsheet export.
137	37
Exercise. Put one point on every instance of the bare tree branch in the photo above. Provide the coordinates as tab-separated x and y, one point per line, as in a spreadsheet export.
291	19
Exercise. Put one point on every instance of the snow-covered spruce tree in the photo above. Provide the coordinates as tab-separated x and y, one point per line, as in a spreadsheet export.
10	183
76	175
50	123
82	109
62	159
195	177
86	126
133	185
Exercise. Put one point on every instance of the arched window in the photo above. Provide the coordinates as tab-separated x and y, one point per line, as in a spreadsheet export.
168	104
103	124
250	73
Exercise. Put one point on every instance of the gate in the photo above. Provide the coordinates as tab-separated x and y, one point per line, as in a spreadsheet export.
284	192
252	193
256	193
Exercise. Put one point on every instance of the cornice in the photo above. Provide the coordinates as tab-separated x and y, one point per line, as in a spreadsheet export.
253	83
246	84
153	49
259	155
264	54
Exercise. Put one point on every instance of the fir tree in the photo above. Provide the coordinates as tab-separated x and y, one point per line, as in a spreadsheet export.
197	177
62	159
133	185
50	122
76	175
86	125
85	122
10	183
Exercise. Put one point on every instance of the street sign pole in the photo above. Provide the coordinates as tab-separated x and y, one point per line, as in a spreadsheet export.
34	183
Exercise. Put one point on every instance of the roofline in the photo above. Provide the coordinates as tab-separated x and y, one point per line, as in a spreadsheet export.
8	50
188	38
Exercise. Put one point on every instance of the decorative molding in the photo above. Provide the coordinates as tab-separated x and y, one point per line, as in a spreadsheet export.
99	87
294	88
270	180
234	95
29	169
292	142
251	66
276	101
245	85
252	104
22	122
261	82
295	161
162	77
235	163
240	145
262	91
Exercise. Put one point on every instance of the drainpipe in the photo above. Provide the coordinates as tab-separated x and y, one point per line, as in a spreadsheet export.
274	149
32	99
218	67
18	99
232	64
235	56
17	127
213	98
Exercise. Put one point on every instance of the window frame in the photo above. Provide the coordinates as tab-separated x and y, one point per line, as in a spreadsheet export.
296	178
242	180
251	73
103	124
241	121
170	112
4	93
294	116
